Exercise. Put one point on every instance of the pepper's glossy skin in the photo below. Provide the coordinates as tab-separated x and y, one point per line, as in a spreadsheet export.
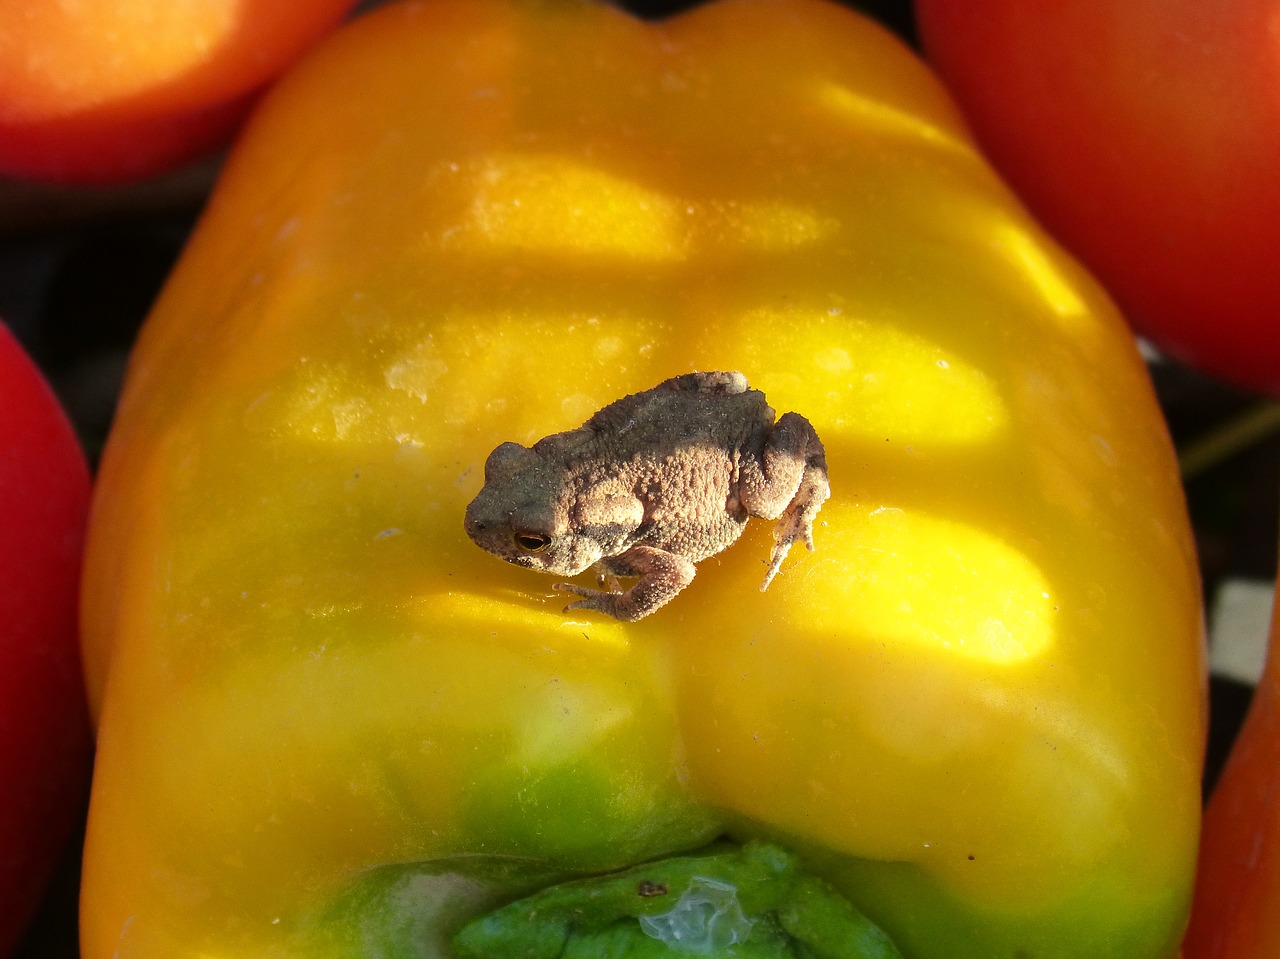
326	716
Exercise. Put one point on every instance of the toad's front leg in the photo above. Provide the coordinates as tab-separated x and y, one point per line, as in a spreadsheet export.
660	575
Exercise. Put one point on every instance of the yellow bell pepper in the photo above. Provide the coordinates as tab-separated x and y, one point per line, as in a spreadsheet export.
332	726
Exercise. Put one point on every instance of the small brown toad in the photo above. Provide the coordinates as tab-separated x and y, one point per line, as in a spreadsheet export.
650	485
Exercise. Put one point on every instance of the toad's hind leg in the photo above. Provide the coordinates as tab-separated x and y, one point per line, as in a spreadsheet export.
661	576
790	485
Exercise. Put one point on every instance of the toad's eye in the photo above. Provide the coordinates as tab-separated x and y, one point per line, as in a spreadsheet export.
532	542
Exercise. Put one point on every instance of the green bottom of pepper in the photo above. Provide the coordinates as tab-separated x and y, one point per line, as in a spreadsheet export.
738	902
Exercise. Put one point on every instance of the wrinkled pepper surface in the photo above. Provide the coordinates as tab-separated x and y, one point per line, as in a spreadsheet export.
332	726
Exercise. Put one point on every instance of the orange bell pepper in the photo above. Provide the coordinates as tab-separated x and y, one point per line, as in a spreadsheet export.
331	725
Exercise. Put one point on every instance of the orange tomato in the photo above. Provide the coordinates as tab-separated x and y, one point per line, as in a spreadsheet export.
1237	904
45	743
1144	136
110	90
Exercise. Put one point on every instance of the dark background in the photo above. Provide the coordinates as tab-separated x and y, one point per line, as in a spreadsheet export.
80	268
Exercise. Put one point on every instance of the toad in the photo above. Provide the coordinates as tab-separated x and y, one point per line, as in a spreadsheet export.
649	486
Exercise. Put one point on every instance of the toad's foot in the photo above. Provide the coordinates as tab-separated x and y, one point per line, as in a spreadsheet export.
660	576
796	521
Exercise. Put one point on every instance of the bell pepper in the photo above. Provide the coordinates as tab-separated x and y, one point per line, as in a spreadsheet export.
330	725
46	745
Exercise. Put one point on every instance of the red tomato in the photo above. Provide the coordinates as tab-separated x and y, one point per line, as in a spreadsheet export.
107	90
1237	906
45	744
1146	135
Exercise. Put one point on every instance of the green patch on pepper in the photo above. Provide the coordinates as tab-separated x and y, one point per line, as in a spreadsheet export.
751	903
